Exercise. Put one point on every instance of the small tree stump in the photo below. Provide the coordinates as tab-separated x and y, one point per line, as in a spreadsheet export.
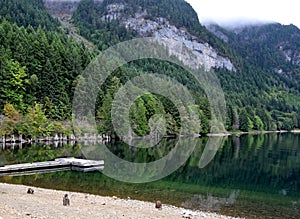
158	204
30	191
66	200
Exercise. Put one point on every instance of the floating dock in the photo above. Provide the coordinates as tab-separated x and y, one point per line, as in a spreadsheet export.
59	164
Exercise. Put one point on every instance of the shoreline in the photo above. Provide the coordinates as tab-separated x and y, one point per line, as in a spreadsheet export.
229	133
105	139
47	203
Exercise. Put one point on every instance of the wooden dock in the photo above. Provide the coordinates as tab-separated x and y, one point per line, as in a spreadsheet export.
59	164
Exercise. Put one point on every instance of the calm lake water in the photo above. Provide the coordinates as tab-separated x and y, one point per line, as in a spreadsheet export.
254	176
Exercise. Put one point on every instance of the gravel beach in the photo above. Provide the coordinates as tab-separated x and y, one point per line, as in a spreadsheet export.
46	203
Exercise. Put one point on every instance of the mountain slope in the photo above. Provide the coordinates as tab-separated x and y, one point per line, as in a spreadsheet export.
39	63
273	47
252	90
116	20
260	94
27	12
270	55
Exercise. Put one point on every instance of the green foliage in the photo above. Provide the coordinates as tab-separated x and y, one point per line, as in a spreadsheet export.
245	122
34	123
205	126
264	45
27	13
104	111
258	124
138	118
102	33
38	65
13	88
12	120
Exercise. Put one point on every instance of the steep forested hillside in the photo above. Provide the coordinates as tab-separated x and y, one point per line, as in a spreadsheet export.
38	69
37	65
104	32
256	97
27	13
40	64
270	54
273	47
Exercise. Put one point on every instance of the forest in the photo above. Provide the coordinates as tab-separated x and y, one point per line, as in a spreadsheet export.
40	67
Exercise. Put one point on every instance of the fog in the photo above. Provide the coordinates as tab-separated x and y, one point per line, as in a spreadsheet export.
241	12
236	23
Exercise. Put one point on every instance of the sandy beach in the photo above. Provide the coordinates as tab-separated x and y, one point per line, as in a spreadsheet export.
46	203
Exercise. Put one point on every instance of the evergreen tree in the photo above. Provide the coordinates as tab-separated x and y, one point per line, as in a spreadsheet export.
13	89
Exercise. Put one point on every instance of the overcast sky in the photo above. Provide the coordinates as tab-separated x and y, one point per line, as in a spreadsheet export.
220	11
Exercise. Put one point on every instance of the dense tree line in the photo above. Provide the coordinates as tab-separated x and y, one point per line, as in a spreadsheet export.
38	65
148	105
28	13
31	124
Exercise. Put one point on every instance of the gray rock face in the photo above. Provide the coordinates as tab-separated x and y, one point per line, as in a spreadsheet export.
214	29
161	28
114	11
292	56
58	7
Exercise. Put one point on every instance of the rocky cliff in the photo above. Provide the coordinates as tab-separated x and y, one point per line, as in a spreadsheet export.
159	28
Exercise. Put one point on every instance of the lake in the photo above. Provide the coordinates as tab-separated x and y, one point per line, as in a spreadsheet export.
253	176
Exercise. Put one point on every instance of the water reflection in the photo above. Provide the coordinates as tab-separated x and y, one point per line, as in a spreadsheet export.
140	165
265	169
212	146
251	161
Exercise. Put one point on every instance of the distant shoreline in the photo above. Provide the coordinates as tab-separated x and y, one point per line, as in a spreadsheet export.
106	138
251	132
